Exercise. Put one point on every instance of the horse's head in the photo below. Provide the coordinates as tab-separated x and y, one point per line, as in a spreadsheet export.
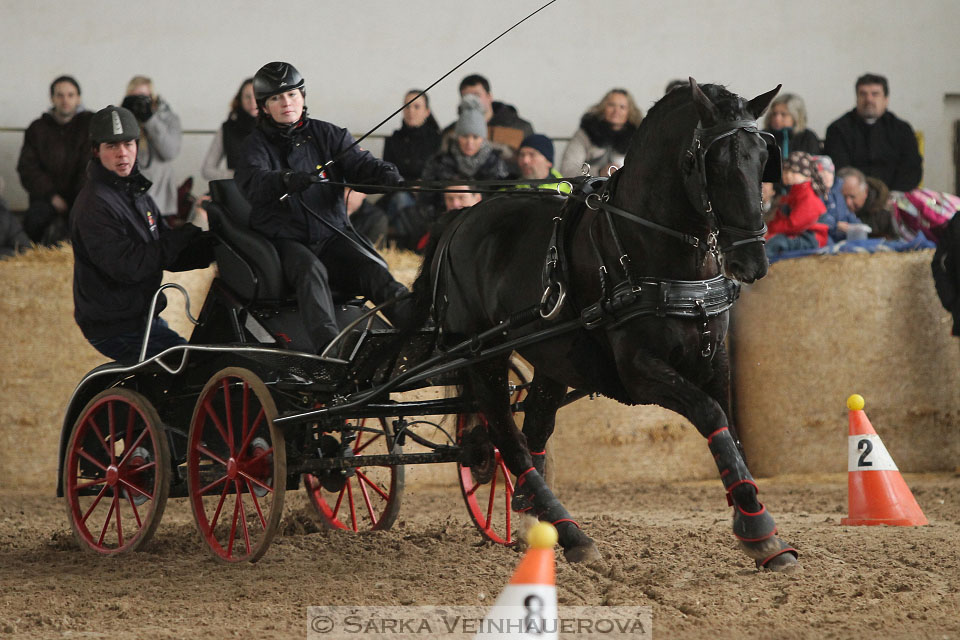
722	171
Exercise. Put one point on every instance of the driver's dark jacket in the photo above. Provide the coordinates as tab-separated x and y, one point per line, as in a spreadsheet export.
267	155
121	247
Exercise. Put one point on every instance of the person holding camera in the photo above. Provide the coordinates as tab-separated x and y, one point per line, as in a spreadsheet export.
160	139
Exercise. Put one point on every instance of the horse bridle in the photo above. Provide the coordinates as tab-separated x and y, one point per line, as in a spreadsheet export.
695	180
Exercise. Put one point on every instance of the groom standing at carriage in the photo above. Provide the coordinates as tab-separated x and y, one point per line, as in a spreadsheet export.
285	170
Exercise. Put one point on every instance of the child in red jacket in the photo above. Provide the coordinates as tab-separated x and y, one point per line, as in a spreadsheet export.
794	225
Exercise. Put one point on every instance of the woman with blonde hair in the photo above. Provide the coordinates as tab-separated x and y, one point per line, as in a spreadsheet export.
787	121
160	139
604	135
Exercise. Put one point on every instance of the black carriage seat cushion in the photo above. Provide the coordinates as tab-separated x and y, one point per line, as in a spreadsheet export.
229	215
249	264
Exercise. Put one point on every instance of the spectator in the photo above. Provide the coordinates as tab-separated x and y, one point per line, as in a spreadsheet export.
604	135
53	162
472	157
946	271
794	225
505	128
366	218
875	141
319	250
457	197
787	121
121	247
229	138
410	148
838	216
160	138
535	160
869	199
13	240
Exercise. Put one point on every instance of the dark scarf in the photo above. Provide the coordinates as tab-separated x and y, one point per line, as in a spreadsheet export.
235	129
601	135
282	135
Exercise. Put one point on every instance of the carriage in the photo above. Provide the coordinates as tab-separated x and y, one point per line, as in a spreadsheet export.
241	414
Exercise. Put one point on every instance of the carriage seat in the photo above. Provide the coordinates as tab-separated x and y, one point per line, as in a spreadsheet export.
249	263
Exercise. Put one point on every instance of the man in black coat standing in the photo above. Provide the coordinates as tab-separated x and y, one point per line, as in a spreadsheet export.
874	140
122	246
284	173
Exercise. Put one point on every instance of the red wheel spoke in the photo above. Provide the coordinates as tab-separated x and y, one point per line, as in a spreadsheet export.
259	456
210	486
106	522
131	418
506	474
508	495
143	468
93	506
493	495
253	430
135	488
476	485
216	514
368	442
336	508
250	478
116	499
216	422
228	407
373	485
243	518
136	513
233	527
92	459
113	433
97	431
131	447
256	503
93	483
353	506
202	449
366	500
245	415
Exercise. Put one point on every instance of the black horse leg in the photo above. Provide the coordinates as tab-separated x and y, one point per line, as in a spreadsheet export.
489	386
540	416
718	387
654	382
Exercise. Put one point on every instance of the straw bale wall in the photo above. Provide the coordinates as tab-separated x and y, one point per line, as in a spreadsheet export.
818	329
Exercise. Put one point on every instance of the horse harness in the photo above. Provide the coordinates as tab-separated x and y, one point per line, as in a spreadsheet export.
637	296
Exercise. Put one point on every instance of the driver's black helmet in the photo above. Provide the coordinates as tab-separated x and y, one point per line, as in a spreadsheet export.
274	78
113	124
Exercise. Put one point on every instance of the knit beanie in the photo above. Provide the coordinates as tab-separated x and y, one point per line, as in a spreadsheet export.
541	143
471	121
803	163
825	164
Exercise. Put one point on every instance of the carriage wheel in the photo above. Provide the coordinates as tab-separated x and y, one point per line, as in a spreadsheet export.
487	489
369	498
236	466
116	473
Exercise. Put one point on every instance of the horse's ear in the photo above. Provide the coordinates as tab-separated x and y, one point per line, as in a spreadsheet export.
709	115
759	104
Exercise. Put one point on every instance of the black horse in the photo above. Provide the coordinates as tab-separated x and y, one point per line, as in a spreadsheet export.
662	246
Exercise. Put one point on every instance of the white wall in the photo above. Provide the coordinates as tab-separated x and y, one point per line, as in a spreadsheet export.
359	57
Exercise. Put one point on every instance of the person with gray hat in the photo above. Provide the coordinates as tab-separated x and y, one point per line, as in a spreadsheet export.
472	157
122	246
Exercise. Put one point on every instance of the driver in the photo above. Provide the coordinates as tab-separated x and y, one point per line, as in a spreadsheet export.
318	248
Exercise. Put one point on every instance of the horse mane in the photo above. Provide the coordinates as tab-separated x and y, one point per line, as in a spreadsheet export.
730	105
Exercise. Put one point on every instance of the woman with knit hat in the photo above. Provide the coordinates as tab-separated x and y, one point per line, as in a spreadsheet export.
472	158
795	223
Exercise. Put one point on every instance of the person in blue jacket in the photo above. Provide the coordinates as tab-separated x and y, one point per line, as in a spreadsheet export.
285	171
838	216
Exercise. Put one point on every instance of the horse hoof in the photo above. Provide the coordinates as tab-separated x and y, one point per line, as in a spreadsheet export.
785	562
583	554
762	550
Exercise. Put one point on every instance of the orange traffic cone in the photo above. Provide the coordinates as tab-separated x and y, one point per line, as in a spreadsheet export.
877	493
527	606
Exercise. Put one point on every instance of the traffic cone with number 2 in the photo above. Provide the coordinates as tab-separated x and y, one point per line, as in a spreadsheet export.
527	606
877	493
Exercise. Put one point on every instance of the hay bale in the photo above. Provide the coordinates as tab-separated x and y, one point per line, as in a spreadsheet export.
818	329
